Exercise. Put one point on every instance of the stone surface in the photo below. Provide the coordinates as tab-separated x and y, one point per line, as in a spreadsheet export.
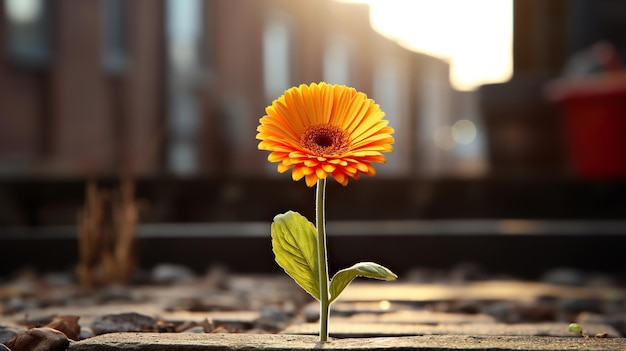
350	329
478	291
274	342
489	315
361	314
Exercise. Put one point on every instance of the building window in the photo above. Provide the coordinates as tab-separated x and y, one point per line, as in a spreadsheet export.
28	32
184	38
114	45
337	61
390	92
277	55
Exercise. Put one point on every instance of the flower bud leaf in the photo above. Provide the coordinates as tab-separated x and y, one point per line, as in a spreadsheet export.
361	269
294	242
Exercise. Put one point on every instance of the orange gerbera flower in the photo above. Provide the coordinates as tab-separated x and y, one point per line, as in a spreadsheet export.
323	129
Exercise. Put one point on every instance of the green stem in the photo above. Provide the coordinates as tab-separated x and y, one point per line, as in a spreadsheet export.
321	258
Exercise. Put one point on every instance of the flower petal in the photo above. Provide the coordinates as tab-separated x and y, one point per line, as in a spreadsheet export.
311	180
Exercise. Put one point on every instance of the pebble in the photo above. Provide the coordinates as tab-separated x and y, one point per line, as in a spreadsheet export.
274	313
564	276
19	304
122	322
114	293
535	312
167	273
86	332
7	333
272	319
58	279
503	311
573	305
194	330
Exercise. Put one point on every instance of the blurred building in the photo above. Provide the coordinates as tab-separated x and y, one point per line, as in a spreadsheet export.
172	91
177	87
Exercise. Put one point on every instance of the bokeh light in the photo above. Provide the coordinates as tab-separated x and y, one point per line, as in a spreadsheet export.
464	132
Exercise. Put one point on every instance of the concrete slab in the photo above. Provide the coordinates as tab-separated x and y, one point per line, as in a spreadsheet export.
276	342
350	329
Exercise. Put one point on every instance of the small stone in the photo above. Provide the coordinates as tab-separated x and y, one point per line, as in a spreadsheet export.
57	279
85	333
122	322
274	313
578	305
564	276
115	292
503	311
7	333
19	304
167	273
535	312
273	319
195	330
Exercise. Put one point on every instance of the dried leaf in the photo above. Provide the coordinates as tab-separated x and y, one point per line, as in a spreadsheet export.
39	339
67	325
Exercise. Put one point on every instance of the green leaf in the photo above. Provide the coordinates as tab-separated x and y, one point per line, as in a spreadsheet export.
575	328
294	242
361	269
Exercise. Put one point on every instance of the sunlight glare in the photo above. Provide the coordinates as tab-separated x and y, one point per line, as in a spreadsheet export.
475	37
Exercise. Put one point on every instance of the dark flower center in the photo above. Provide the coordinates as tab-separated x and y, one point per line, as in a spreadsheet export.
325	140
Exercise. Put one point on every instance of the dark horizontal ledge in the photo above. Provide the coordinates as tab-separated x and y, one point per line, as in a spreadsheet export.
520	248
348	228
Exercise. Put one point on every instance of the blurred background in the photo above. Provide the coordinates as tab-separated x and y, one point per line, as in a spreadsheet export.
510	117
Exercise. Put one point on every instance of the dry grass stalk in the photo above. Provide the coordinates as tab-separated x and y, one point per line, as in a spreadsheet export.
107	227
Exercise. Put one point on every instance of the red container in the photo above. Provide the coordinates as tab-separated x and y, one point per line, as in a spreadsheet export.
594	117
